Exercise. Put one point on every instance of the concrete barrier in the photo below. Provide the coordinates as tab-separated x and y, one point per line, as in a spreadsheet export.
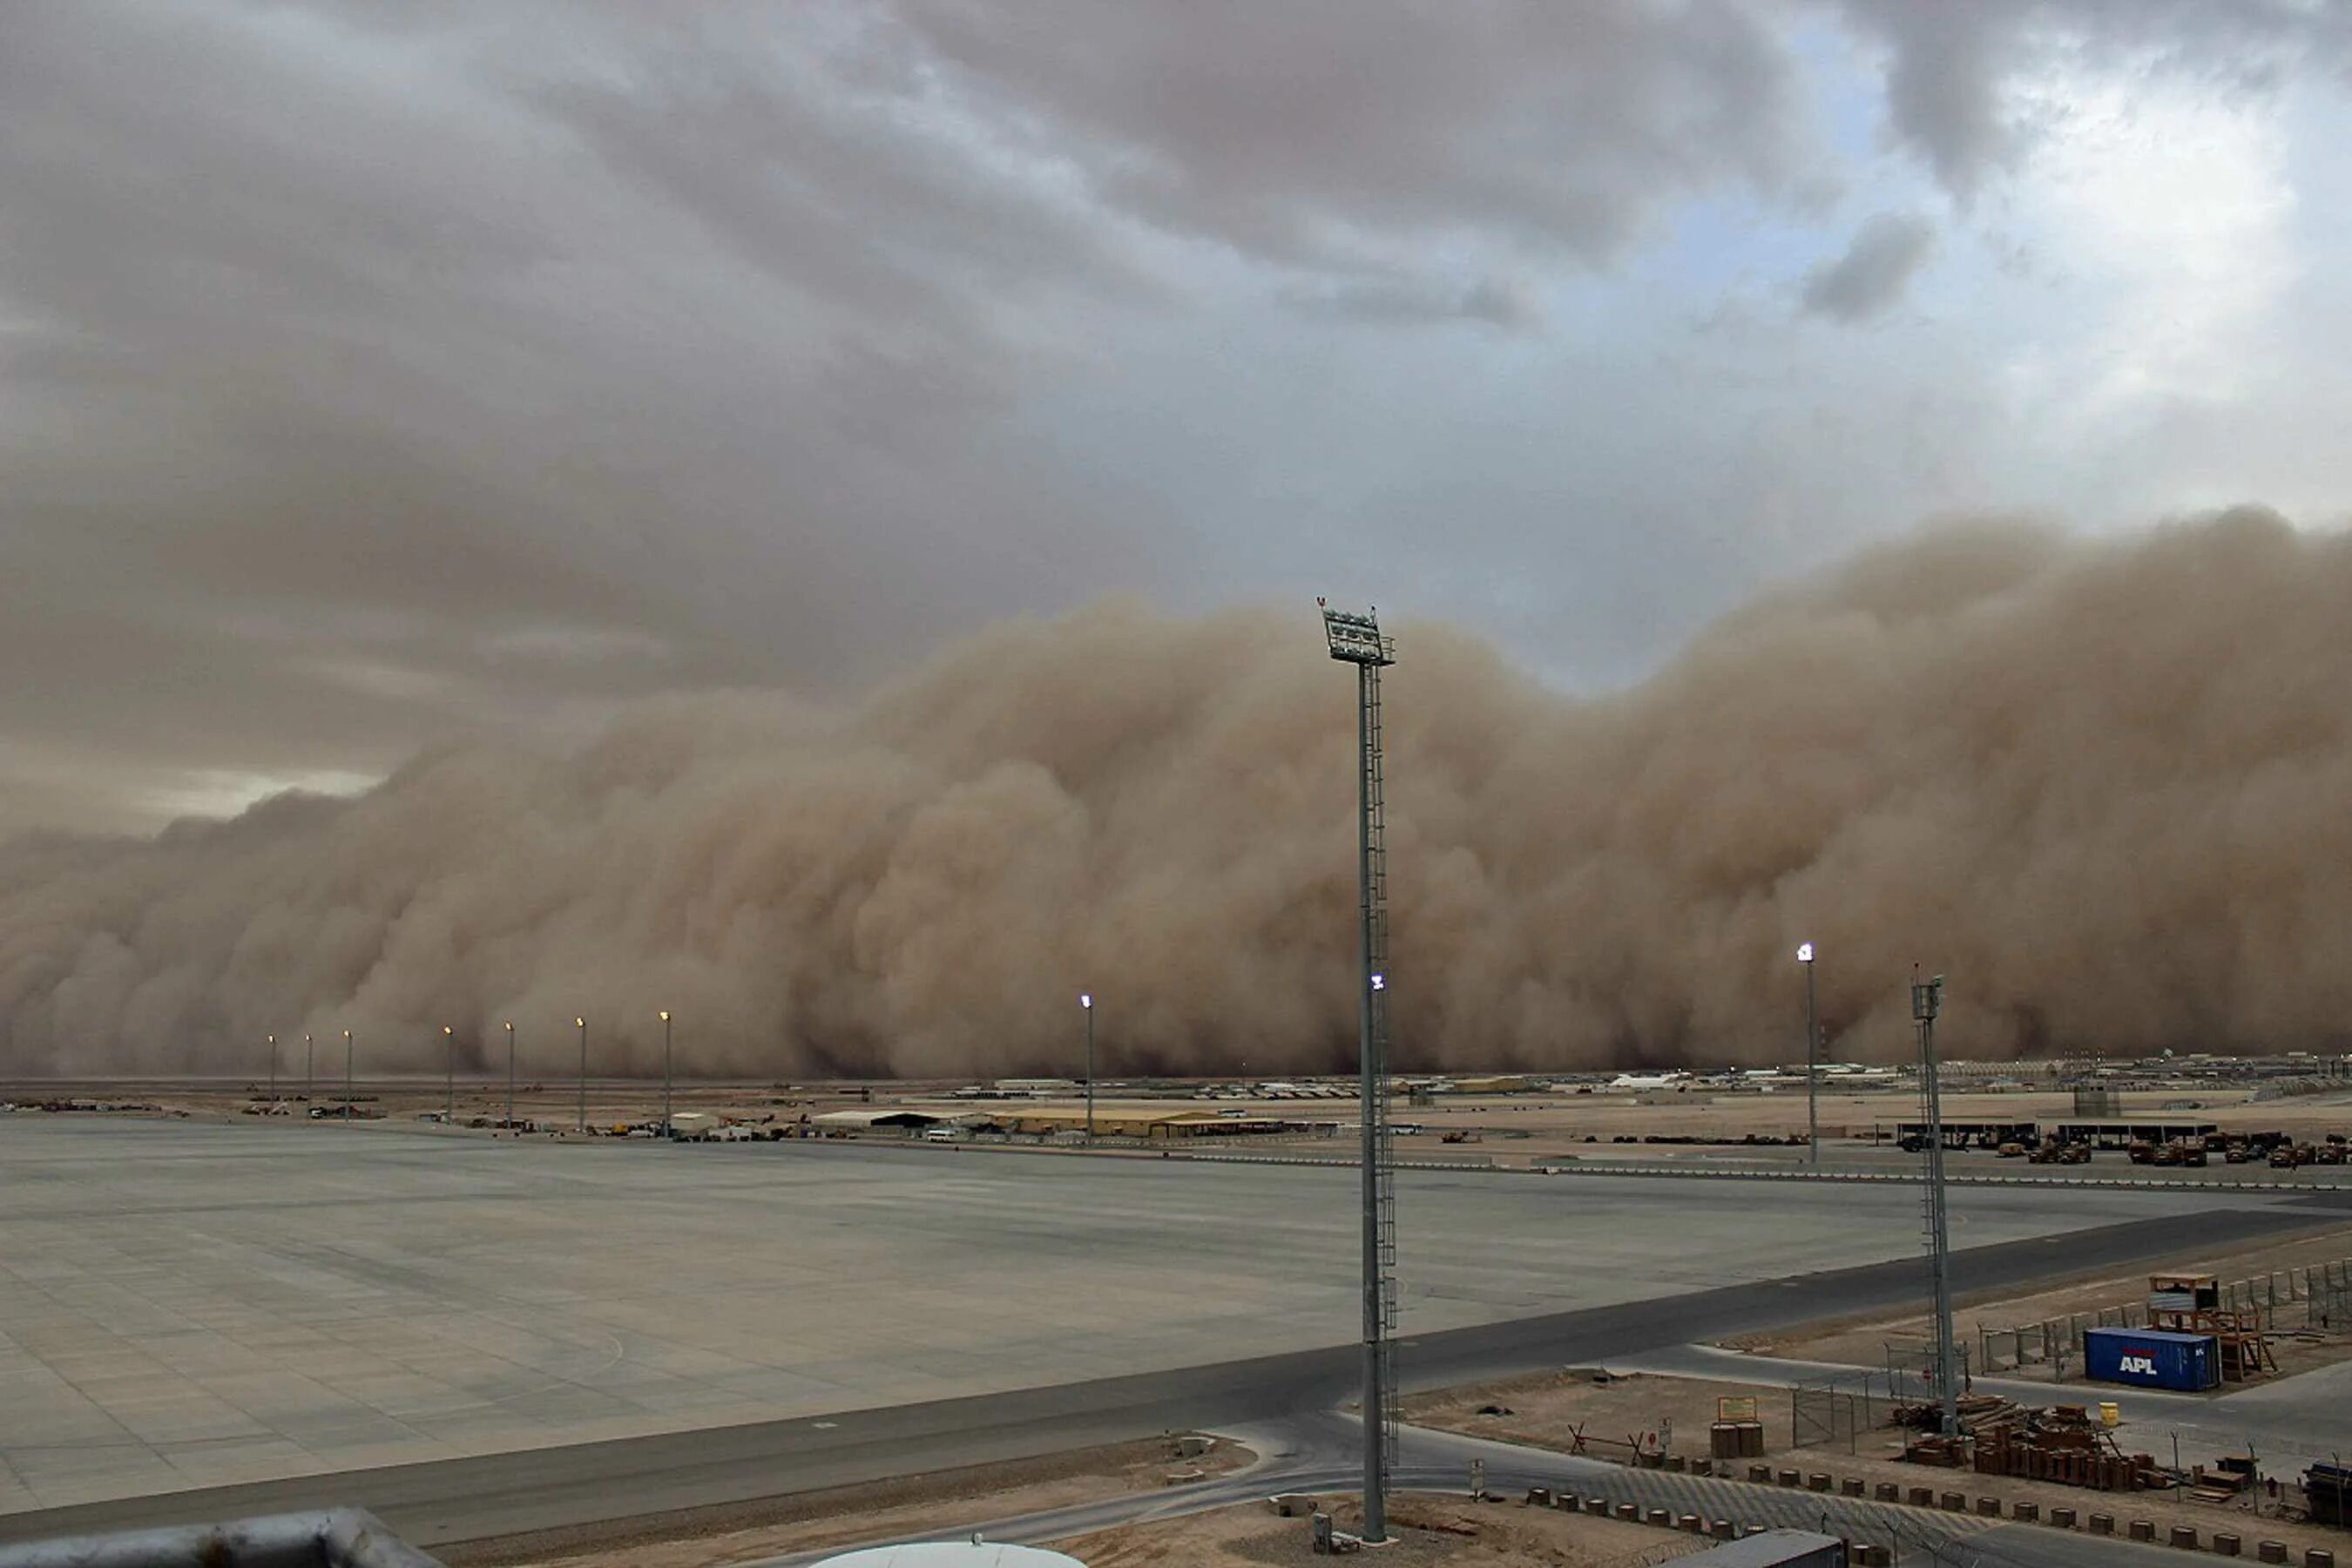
1953	1502
1760	1473
1819	1481
2318	1557
2064	1518
1691	1524
1790	1477
2143	1529
1661	1516
1988	1507
1720	1530
2271	1551
2184	1536
1920	1497
1630	1512
1852	1486
2224	1544
1291	1505
1599	1505
2102	1524
1540	1497
1888	1491
2028	1511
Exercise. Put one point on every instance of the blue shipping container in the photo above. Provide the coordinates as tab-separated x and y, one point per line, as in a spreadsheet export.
2146	1358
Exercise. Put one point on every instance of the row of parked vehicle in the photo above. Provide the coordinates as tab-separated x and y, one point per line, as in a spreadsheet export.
2278	1149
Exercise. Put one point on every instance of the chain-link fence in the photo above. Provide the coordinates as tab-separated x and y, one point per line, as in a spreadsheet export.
2317	1297
1831	1413
1911	1369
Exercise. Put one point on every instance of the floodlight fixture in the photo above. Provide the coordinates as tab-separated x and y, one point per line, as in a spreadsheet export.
1356	639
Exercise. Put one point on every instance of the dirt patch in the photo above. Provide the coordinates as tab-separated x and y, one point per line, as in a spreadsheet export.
1548	1410
1429	1531
846	1516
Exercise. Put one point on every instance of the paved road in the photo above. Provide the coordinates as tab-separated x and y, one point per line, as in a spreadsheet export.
1317	1453
437	1503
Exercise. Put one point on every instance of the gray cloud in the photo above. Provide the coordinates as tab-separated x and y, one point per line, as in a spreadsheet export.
1491	302
1877	266
1312	132
1947	64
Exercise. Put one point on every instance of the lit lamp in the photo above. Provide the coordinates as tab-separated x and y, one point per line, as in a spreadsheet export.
1086	1005
1812	1072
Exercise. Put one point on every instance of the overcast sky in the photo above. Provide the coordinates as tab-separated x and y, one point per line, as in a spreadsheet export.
379	370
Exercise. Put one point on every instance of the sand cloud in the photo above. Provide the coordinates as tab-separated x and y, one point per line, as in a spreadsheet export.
2099	785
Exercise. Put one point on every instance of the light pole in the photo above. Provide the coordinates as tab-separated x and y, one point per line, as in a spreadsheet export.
273	1069
1086	1005
307	1091
582	1025
668	1129
449	1089
1927	1005
348	1098
1812	1069
1357	640
509	1075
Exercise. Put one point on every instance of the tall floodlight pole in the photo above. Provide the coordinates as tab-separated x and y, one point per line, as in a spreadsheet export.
1812	1066
308	1089
273	1069
1927	1002
1086	1005
582	1025
670	1128
450	1077
511	1075
350	1099
1357	640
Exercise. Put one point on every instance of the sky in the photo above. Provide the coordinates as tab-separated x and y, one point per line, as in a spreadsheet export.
374	374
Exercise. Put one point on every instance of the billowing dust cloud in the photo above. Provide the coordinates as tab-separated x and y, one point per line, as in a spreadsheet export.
2103	787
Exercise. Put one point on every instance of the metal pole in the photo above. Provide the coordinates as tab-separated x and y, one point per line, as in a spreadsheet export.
450	1077
1927	1002
1368	1068
583	1025
1812	1068
350	1099
307	1091
1089	1010
669	1128
273	1069
511	1075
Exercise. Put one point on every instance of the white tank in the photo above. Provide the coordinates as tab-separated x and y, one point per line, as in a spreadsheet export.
951	1554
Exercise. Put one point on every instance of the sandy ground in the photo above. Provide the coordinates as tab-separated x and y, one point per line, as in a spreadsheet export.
816	1520
1549	1409
1427	1531
1862	1342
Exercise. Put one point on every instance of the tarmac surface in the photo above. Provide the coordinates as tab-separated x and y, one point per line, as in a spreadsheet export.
187	1305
